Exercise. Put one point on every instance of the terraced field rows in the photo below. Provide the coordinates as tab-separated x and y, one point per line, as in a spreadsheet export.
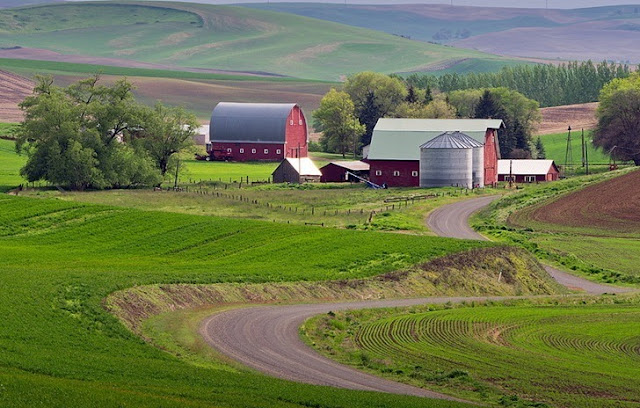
567	356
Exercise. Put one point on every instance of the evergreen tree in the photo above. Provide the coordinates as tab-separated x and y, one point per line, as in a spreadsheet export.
540	148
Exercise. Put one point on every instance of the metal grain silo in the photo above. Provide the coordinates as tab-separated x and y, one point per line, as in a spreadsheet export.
447	160
478	158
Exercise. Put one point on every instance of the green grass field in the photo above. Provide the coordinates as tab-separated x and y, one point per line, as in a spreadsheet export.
222	37
10	164
58	260
555	146
567	353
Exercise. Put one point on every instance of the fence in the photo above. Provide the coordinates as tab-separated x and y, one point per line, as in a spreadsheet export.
390	203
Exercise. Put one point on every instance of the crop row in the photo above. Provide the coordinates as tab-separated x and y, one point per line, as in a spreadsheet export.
567	355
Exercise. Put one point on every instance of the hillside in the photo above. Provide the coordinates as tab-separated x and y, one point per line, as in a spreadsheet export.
598	33
611	205
220	37
13	90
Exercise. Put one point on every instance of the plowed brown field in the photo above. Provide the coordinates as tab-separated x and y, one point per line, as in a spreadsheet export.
13	89
613	205
558	118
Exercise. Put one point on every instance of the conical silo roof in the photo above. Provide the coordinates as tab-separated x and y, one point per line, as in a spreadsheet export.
451	140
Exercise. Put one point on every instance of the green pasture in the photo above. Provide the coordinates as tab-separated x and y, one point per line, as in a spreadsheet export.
58	260
569	353
234	172
402	22
604	255
223	37
10	164
31	67
555	146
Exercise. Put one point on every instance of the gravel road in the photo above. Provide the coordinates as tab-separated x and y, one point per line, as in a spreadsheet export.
266	338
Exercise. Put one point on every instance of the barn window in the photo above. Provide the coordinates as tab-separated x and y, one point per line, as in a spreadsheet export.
253	151
378	172
291	122
529	179
414	173
241	150
396	173
266	151
278	151
228	150
509	178
300	122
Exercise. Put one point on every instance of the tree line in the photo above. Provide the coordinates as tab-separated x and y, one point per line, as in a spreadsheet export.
347	118
90	135
550	85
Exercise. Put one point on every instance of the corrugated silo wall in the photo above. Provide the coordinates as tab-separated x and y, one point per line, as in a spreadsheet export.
446	167
478	166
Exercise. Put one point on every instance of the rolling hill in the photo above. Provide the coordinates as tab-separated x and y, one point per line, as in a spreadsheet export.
599	33
221	37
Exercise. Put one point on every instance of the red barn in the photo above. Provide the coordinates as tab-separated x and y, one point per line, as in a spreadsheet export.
394	153
527	170
257	132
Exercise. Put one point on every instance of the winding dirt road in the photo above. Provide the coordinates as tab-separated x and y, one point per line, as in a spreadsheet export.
266	338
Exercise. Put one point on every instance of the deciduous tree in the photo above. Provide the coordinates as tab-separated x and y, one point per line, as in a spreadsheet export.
341	130
80	136
618	114
374	96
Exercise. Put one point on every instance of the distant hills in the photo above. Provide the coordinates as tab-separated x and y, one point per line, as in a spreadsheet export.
222	37
601	33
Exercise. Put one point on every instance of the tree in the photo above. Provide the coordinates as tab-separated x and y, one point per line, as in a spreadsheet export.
618	128
341	130
465	101
374	96
540	148
165	132
519	114
81	136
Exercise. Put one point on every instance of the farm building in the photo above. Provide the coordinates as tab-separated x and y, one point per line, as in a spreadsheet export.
257	132
297	171
527	171
394	153
201	137
452	159
336	172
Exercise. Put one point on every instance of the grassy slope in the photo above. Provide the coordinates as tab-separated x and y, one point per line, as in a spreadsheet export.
223	37
394	20
610	257
563	353
58	260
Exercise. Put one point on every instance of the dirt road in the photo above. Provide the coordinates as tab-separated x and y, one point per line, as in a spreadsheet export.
266	338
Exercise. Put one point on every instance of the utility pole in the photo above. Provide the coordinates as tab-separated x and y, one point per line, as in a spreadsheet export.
568	157
510	174
583	149
586	160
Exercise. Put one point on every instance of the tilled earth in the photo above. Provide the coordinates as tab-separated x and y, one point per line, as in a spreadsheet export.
558	118
611	205
13	90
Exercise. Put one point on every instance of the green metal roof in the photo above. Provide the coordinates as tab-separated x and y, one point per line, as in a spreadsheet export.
400	139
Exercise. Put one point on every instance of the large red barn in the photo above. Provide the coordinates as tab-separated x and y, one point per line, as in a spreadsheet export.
394	153
257	132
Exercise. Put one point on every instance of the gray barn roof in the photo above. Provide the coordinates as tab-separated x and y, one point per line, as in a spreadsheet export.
249	122
451	140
